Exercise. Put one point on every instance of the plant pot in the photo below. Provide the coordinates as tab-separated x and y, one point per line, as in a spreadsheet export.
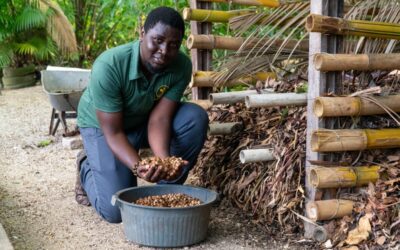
19	81
22	71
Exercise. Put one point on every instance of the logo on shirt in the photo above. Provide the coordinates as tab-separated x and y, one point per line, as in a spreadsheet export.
161	91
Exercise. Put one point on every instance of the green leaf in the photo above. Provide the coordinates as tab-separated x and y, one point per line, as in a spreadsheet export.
30	18
44	143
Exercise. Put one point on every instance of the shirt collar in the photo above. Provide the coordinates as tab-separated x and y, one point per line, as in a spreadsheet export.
134	71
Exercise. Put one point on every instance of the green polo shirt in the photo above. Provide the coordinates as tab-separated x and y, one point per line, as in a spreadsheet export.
117	84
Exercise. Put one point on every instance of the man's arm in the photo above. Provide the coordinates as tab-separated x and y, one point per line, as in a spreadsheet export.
160	126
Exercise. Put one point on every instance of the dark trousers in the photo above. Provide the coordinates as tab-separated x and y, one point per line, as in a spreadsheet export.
102	174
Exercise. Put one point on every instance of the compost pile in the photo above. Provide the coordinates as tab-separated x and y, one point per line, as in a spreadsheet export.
170	165
168	200
268	191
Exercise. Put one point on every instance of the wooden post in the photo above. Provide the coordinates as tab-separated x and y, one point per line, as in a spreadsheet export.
319	83
201	59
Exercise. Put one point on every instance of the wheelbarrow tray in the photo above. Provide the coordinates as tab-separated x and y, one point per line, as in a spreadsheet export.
64	86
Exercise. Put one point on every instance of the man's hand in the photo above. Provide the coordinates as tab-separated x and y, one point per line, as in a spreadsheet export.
157	170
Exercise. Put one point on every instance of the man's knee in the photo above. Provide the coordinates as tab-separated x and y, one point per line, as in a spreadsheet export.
195	116
110	213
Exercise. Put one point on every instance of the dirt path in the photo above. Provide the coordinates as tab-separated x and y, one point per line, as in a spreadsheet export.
37	206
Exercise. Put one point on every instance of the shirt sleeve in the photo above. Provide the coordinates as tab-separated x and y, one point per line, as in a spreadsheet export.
105	88
176	92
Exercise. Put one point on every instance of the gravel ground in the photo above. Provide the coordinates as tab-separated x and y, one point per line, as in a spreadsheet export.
37	206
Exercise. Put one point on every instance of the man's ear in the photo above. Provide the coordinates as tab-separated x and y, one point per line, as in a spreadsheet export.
141	35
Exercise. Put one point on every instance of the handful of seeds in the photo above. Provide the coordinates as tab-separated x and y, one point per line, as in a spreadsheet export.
168	200
170	165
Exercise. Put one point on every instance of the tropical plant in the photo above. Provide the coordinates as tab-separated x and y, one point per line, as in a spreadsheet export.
32	31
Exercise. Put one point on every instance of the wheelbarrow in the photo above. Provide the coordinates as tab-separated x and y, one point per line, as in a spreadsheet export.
64	87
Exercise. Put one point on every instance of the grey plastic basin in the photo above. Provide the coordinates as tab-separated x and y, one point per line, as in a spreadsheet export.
164	227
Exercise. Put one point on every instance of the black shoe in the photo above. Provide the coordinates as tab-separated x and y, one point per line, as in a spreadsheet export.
80	194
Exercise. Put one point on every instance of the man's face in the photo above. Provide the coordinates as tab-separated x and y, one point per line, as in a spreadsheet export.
159	47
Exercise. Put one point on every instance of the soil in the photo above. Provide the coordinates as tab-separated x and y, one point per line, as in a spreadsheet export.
37	176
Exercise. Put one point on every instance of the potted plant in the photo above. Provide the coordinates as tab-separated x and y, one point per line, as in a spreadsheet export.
31	31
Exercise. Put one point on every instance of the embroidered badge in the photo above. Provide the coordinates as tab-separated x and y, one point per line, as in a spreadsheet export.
161	91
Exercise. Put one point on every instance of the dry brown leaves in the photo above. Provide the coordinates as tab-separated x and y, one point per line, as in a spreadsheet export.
270	190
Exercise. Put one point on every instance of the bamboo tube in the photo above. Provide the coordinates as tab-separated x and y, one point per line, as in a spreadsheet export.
233	97
340	26
325	140
366	62
234	43
279	99
256	155
207	79
224	128
328	209
354	106
337	177
266	3
205	104
215	16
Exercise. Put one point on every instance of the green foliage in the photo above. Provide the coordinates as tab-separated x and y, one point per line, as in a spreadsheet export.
23	36
44	143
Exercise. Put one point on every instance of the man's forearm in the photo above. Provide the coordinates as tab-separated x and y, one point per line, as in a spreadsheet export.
159	134
122	149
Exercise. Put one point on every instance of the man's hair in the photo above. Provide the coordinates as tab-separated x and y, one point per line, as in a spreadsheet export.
165	15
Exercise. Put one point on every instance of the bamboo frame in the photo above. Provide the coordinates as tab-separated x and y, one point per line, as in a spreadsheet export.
328	209
205	104
207	79
215	16
265	3
338	177
278	99
340	26
354	106
363	62
256	155
325	140
233	97
224	128
235	43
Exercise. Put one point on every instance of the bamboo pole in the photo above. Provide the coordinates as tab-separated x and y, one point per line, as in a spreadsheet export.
234	43
278	99
256	155
266	3
205	104
234	97
207	79
215	16
224	128
340	26
325	140
363	62
328	209
354	106
338	177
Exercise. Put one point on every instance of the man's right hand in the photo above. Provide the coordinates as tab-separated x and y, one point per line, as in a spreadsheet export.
152	173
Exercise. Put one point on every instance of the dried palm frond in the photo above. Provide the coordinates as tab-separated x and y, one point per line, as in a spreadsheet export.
285	23
60	28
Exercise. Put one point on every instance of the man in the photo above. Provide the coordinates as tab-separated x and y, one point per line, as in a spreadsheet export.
132	102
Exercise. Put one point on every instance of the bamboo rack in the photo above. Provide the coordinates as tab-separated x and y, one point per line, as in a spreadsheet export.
215	16
340	26
266	3
205	104
363	62
235	43
325	140
234	97
278	99
354	106
328	209
207	79
338	177
256	155
224	128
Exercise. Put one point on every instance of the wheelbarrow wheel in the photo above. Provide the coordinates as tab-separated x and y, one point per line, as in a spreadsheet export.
19	81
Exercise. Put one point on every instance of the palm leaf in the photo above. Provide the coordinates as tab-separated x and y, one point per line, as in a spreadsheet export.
30	18
59	28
